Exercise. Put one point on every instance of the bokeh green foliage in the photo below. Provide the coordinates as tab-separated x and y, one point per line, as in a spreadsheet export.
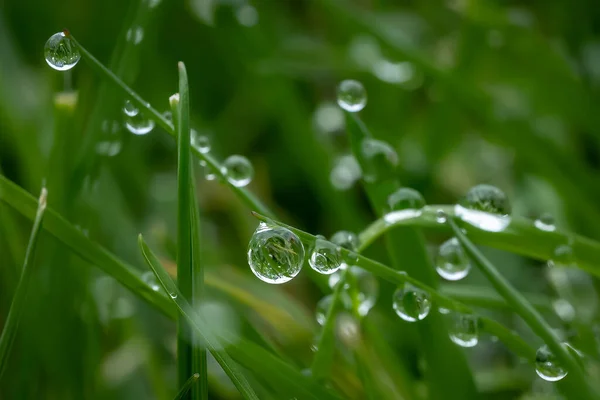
503	93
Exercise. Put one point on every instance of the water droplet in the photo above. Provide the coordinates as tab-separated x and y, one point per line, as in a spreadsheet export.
150	279
199	142
109	144
325	258
405	198
452	263
348	330
135	34
351	95
322	308
61	53
443	310
345	172
361	291
485	207
396	217
564	310
130	109
441	217
275	254
380	160
463	329
173	295
168	116
547	366
247	15
563	256
238	170
207	171
411	303
138	124
392	72
346	239
545	223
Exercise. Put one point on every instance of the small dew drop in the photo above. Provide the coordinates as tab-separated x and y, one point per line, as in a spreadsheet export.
547	366
275	254
199	142
150	279
60	52
135	35
348	330
411	303
345	172
109	144
405	198
138	124
463	329
247	15
443	310
322	308
130	109
545	223
380	160
485	207
360	294
351	95
346	239
238	170
452	263
441	217
325	258
168	116
173	295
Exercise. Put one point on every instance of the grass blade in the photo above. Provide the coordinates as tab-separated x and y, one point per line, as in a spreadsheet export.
187	386
579	387
18	304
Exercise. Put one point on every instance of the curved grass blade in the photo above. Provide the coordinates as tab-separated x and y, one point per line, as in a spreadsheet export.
579	387
18	304
187	386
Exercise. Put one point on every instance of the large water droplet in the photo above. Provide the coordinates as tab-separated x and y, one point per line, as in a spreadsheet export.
380	160
60	52
199	142
351	95
405	198
275	254
361	291
325	258
150	279
238	170
463	329
322	308
130	109
411	303
545	223
485	207
452	263
547	366
345	239
139	124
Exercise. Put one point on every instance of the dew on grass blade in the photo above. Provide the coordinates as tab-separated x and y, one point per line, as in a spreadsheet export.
109	144
547	366
405	198
348	330
360	294
411	303
441	217
463	329
346	239
139	124
130	109
351	95
173	295
324	258
275	254
545	223
451	262
345	172
322	309
150	279
60	52
238	170
168	116
380	160
485	207
199	142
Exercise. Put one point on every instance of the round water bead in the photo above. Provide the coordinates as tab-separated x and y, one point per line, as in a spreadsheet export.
547	365
463	329
361	291
322	308
130	109
168	116
451	262
325	259
411	303
545	223
138	124
441	217
275	254
351	95
485	207
60	52
405	198
380	160
238	170
199	142
207	171
346	239
150	279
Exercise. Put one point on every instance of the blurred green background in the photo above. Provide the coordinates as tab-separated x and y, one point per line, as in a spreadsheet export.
467	92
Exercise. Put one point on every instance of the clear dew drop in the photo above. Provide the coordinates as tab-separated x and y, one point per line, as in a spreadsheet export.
130	109
150	279
451	262
345	172
351	95
275	254
199	142
441	217
238	170
60	52
463	329
411	303
404	199
173	295
322	309
547	366
168	116
346	239
485	207
139	124
380	160
325	258
545	223
361	291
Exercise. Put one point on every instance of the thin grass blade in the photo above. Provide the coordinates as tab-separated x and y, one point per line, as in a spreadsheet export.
187	386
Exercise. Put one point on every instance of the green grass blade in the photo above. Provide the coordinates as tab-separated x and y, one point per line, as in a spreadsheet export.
18	304
187	386
244	194
579	387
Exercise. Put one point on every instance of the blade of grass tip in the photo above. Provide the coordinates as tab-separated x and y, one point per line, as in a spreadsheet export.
579	387
187	386
18	304
244	194
197	322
